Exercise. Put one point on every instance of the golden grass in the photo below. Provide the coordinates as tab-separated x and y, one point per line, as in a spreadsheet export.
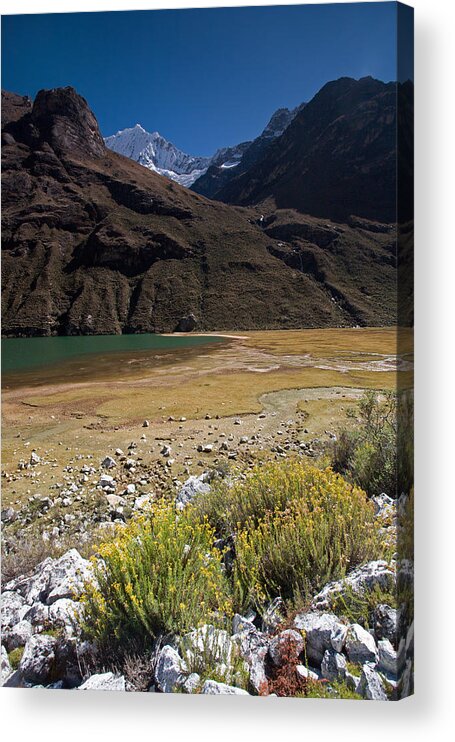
228	394
331	341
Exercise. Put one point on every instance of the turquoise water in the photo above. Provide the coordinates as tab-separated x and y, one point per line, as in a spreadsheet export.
24	354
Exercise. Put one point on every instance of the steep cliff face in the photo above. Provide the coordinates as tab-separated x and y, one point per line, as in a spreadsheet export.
336	158
94	243
222	171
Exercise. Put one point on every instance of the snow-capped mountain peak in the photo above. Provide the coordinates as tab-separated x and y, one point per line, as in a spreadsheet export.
156	153
153	151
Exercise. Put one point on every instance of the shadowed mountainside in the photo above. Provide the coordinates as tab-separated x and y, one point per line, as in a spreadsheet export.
336	158
94	243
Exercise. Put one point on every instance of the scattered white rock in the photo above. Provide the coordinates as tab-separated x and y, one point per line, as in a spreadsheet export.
371	575
384	505
53	579
141	502
192	682
253	647
108	463
170	670
305	672
333	666
370	685
106	481
191	488
273	615
319	630
213	644
5	668
211	687
360	645
38	661
104	681
18	636
387	657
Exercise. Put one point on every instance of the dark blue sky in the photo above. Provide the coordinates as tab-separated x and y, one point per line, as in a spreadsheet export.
202	78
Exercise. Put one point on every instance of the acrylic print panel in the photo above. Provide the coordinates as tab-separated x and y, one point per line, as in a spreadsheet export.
207	351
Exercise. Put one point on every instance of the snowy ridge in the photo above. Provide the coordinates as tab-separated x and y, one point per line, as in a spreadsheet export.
154	152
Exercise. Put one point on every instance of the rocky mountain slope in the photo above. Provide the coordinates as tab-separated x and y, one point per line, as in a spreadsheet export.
221	172
94	243
336	158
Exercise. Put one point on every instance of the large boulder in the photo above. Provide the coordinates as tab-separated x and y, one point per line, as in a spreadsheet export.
108	462
187	323
387	657
5	668
253	647
18	635
38	615
63	614
38	663
385	622
407	680
104	681
370	685
13	607
333	665
360	645
377	574
47	659
211	687
321	631
190	489
170	670
53	579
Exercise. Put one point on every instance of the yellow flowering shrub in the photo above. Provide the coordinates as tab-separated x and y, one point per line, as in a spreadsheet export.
321	528
161	575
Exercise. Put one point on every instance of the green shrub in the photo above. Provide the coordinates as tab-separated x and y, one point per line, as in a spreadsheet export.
323	528
161	575
15	657
229	507
368	455
337	689
358	607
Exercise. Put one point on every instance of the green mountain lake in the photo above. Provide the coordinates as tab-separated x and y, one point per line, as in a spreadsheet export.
50	359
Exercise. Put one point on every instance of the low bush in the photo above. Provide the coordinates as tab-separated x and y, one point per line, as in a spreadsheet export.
228	507
358	607
162	575
323	528
368	454
337	689
15	657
